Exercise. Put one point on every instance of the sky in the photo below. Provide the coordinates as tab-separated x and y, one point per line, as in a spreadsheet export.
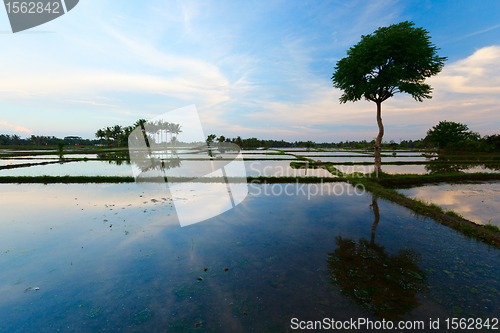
252	68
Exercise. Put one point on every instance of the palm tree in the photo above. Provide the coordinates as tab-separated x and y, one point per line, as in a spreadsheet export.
108	133
175	129
117	134
140	124
100	134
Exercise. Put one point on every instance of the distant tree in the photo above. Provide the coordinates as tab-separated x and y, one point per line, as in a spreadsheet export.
493	142
140	123
448	133
60	146
176	130
239	141
393	59
100	134
117	134
210	139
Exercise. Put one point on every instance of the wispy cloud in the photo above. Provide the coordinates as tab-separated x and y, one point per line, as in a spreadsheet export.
253	69
15	128
93	103
482	31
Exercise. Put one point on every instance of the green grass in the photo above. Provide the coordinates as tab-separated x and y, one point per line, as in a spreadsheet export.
488	234
413	179
492	227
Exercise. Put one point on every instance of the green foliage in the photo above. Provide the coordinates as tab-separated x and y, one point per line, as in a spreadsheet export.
60	146
492	227
210	139
393	59
449	133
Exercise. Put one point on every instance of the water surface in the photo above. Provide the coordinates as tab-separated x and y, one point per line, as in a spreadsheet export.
114	258
478	202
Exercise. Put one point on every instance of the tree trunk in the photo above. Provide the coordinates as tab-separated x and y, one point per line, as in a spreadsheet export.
378	158
377	218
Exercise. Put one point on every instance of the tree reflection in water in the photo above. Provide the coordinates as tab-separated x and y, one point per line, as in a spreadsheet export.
384	285
452	164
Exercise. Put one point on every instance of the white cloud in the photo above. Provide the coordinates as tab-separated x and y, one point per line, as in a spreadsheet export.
476	74
15	128
94	103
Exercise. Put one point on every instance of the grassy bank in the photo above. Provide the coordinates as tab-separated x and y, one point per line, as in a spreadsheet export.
486	233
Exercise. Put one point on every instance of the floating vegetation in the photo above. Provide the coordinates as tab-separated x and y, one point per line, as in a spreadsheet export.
94	312
188	325
244	306
144	256
186	289
142	316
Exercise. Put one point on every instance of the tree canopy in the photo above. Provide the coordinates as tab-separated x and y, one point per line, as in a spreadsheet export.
392	59
447	133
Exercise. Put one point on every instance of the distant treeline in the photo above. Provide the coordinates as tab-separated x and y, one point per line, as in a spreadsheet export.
256	143
41	140
446	135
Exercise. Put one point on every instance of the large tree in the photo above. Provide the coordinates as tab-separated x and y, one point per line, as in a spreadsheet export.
392	59
448	133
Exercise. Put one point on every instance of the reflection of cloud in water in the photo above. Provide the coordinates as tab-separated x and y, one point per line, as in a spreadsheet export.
478	202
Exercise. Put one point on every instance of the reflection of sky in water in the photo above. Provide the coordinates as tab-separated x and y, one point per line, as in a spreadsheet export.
29	151
256	151
88	168
187	169
106	258
338	153
66	156
476	202
368	159
281	169
387	168
4	162
400	169
292	149
264	156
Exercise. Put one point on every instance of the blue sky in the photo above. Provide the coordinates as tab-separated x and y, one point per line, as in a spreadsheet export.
255	69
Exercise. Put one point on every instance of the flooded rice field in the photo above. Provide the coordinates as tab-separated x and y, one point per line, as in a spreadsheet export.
81	168
281	169
55	157
113	257
18	161
478	202
311	154
184	168
255	164
368	158
419	169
